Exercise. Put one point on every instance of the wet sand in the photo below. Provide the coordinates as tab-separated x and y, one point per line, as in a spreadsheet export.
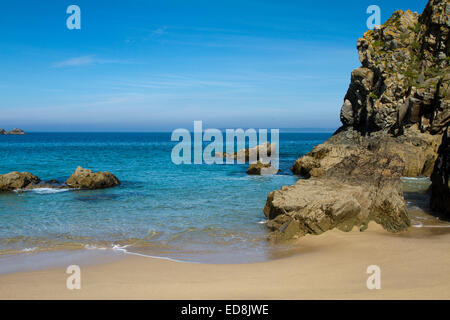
414	265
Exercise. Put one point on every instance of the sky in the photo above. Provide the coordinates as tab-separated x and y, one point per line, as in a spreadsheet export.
160	65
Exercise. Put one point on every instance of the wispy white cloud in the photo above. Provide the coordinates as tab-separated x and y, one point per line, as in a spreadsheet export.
84	61
159	31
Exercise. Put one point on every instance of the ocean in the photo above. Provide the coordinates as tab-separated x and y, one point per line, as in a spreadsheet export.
194	213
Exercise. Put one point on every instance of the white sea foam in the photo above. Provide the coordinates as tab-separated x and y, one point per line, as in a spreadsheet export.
43	190
92	247
124	250
29	249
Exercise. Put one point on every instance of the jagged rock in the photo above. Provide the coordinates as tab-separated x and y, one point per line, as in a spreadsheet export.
361	188
405	73
399	100
16	131
260	168
2	131
440	188
417	150
87	179
17	180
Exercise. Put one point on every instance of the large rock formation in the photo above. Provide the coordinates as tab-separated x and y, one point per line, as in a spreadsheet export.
87	179
395	111
361	188
399	100
2	131
17	180
440	188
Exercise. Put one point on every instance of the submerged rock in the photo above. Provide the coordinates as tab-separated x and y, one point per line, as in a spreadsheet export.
260	168
440	188
17	180
87	179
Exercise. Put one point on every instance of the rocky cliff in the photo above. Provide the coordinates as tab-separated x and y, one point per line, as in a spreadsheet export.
397	107
398	101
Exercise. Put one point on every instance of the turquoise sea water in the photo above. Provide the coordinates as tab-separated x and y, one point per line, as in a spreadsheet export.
198	213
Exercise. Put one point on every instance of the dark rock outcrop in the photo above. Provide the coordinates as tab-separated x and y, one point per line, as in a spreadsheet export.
17	180
87	179
261	168
440	187
2	131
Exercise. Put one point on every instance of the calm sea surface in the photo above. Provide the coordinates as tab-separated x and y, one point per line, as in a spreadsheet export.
198	213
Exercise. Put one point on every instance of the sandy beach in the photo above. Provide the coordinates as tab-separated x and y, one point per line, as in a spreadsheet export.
414	265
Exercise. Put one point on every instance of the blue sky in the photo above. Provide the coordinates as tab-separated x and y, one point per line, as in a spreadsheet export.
160	65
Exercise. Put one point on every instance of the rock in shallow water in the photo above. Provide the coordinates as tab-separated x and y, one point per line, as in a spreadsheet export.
250	154
260	168
17	180
361	188
87	179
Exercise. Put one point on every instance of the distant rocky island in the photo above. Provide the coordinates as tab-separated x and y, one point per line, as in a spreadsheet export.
395	120
14	131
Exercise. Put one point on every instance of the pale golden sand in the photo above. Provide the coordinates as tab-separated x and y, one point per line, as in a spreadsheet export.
415	265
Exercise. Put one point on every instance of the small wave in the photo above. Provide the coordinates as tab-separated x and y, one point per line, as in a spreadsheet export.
117	247
124	250
93	247
29	249
43	190
263	221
